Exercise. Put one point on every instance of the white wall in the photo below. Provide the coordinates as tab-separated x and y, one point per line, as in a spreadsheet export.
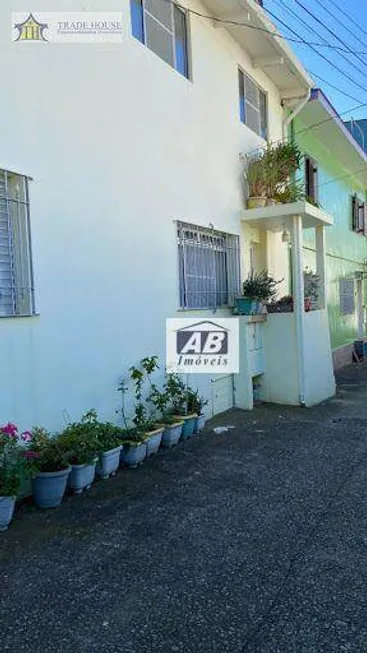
279	384
319	374
119	145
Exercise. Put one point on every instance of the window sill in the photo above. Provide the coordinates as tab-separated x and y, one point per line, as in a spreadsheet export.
208	309
14	317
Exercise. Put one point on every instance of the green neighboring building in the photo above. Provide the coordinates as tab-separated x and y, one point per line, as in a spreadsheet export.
335	172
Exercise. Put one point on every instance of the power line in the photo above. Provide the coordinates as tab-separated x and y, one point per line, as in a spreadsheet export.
284	6
350	19
339	90
320	22
319	54
345	27
235	23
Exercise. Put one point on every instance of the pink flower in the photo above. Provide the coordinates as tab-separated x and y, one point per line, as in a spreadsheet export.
29	455
10	429
26	436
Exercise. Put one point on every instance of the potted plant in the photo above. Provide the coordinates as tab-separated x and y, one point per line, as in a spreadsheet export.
80	441
151	430
172	425
109	448
311	289
256	181
258	288
11	470
134	448
281	162
196	404
283	305
48	462
178	397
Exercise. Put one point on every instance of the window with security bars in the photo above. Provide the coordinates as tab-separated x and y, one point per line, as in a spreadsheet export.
16	278
346	292
209	266
162	27
359	215
253	105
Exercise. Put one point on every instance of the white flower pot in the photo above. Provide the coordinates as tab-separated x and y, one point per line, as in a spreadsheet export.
7	505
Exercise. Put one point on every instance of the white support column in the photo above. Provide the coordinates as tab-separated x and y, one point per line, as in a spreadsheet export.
299	300
321	265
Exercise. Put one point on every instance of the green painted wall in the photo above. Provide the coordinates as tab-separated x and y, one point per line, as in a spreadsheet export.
346	251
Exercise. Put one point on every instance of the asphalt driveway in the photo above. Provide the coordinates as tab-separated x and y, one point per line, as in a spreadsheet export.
254	540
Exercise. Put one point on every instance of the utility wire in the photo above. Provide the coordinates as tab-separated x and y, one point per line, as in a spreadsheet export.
345	27
319	54
333	34
301	20
275	33
350	19
339	90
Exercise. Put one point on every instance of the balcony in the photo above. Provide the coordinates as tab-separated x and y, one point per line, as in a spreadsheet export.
296	351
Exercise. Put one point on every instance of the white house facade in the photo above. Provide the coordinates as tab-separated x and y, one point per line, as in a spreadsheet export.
121	192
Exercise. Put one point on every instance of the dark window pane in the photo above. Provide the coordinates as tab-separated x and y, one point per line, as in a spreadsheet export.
161	10
137	23
182	64
159	39
263	115
242	97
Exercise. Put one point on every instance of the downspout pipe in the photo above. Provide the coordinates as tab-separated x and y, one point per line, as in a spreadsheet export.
299	317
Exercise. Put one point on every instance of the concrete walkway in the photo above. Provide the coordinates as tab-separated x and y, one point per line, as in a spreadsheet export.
250	541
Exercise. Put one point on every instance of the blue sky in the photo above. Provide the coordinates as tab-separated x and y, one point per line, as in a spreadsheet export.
354	64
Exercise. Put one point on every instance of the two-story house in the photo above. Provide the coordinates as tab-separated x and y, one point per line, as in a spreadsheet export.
121	191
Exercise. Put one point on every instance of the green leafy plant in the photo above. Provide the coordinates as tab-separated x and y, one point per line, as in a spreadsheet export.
12	460
177	394
260	286
46	453
80	440
292	191
196	402
311	285
256	175
283	305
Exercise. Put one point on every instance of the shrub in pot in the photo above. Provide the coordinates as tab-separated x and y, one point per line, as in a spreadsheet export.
283	305
12	468
258	288
134	448
172	426
109	449
196	404
48	462
80	442
256	180
178	398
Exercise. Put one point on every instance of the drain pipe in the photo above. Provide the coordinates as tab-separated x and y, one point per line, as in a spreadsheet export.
298	274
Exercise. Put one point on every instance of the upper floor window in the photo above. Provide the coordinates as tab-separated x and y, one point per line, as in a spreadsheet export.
311	180
253	105
16	277
162	27
359	218
209	264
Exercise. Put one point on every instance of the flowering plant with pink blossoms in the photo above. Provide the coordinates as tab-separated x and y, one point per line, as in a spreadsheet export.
12	462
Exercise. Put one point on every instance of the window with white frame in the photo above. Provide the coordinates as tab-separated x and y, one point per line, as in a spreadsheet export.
346	296
209	267
162	27
16	277
253	105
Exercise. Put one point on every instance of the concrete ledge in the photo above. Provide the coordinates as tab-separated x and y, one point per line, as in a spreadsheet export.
342	356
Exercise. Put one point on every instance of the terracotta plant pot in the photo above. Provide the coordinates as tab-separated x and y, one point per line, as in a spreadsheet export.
256	202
